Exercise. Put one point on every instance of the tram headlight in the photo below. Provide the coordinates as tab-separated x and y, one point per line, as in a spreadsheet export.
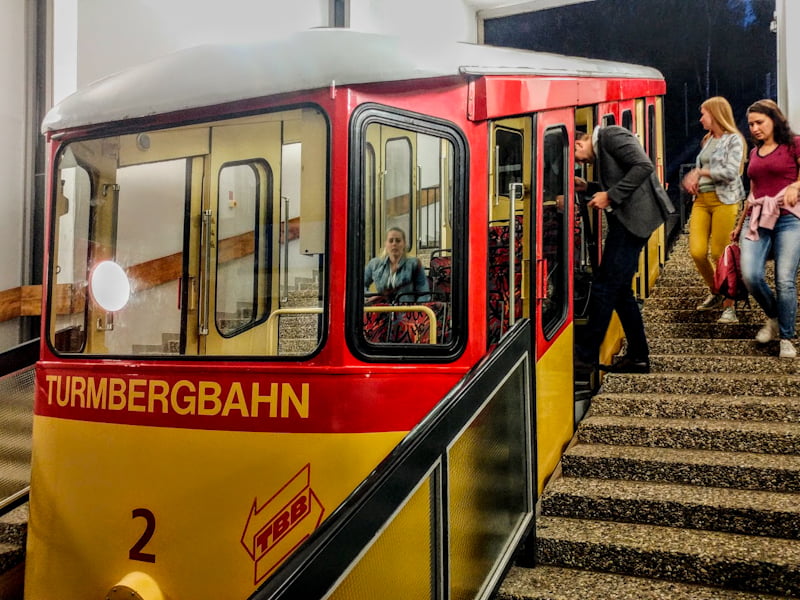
109	286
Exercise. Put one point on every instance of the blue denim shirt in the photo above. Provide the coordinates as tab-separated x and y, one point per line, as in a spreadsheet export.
409	277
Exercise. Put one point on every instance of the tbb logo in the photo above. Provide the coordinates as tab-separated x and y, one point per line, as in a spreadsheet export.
274	529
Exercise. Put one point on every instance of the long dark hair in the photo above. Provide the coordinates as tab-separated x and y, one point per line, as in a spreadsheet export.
781	132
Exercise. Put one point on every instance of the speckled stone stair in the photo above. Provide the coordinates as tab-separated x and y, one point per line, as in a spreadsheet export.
683	483
556	583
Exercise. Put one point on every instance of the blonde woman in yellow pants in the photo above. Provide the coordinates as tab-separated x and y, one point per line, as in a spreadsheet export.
717	185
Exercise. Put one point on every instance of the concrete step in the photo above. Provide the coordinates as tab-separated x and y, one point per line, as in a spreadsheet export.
746	512
684	290
697	406
557	583
733	384
753	316
714	331
714	348
699	434
686	302
726	363
743	470
743	562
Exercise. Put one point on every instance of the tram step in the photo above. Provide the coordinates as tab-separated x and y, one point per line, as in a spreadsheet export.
729	384
746	512
743	470
557	583
743	562
701	434
701	365
697	406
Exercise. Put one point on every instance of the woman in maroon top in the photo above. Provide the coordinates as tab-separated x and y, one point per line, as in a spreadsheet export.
770	223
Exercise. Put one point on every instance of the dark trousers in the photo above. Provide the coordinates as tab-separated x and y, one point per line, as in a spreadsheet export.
611	290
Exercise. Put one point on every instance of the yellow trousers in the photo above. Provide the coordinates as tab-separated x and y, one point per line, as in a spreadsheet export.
710	227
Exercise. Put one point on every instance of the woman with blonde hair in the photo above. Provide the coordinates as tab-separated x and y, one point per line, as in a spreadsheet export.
717	186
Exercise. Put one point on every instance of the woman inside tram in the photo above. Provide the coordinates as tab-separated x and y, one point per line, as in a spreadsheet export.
397	276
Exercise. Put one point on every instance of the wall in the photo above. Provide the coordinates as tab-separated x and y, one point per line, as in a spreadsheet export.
13	127
788	13
153	27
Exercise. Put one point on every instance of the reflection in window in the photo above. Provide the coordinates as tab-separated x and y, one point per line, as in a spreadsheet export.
397	185
242	264
554	250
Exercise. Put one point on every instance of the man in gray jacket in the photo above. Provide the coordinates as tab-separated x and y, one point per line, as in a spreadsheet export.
635	204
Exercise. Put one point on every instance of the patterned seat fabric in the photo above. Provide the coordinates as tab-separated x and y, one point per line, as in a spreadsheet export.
498	278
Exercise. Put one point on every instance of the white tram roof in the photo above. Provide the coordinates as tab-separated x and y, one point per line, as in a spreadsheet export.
316	58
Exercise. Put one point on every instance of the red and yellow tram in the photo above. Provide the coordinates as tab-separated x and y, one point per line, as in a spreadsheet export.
214	378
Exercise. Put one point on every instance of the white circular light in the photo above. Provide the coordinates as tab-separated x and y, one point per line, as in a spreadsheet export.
109	286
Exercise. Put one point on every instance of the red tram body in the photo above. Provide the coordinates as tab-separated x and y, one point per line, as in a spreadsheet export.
213	392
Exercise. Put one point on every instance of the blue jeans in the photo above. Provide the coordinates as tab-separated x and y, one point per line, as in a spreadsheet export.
611	290
784	242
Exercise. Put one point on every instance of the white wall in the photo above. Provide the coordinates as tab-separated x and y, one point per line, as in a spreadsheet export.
13	182
788	12
115	34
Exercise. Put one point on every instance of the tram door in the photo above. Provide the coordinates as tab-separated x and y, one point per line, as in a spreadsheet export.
237	238
262	236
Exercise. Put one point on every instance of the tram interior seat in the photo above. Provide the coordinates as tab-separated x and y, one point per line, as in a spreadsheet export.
499	275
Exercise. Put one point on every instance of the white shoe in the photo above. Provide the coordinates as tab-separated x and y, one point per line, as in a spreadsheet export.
787	349
768	332
711	301
728	316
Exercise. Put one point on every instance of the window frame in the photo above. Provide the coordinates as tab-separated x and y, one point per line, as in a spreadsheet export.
364	116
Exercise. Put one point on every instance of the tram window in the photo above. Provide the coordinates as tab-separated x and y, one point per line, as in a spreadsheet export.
71	248
242	289
554	248
215	233
509	159
609	119
412	305
652	143
627	120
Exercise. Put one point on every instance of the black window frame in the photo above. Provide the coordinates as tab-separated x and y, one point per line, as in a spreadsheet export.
362	117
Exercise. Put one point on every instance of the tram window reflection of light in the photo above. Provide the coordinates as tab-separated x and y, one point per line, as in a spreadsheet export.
109	286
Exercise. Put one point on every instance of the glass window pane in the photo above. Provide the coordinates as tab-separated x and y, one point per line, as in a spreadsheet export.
185	225
509	158
554	186
407	283
241	257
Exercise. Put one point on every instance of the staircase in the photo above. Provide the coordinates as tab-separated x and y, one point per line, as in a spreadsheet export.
683	483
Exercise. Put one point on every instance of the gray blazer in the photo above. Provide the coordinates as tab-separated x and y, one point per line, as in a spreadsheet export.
638	201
